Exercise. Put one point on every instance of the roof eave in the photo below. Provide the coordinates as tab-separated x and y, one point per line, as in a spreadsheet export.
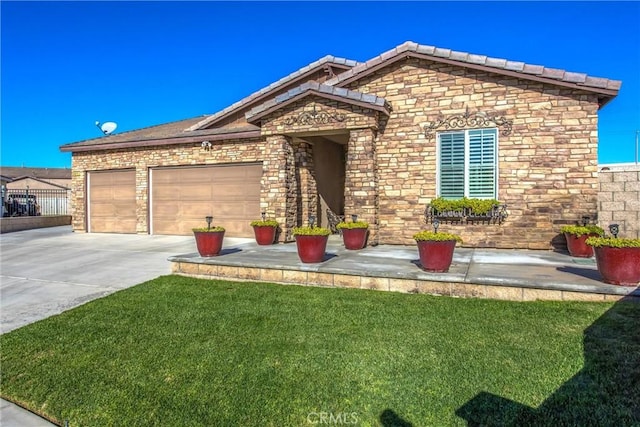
611	93
212	120
255	118
160	142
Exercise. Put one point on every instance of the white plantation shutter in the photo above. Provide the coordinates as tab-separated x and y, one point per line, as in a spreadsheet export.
452	165
467	165
482	164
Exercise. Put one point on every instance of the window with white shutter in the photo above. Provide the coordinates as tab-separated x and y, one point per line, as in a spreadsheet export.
467	164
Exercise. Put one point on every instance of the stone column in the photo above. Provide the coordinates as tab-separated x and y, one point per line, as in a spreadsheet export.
77	204
279	185
308	194
142	199
361	186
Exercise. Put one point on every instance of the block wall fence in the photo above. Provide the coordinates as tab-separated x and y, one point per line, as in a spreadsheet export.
619	201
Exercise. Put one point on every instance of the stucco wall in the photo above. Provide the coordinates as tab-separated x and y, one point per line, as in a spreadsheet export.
328	159
35	184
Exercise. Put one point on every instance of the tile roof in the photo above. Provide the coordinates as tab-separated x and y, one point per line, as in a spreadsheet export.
165	130
499	64
192	128
42	173
320	89
326	60
157	132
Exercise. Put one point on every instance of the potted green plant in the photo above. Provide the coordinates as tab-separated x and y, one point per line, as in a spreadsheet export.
436	249
576	236
311	242
618	260
354	233
209	239
265	230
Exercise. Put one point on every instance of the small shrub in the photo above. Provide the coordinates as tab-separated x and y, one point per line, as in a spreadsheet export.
351	225
598	242
264	223
208	230
311	231
475	206
436	237
581	230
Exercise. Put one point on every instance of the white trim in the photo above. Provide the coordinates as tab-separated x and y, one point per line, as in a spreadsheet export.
496	160
149	199
88	202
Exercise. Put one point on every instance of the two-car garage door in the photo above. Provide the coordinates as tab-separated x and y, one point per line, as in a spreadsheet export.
182	197
179	199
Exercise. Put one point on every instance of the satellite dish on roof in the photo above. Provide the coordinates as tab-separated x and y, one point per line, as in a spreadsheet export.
107	127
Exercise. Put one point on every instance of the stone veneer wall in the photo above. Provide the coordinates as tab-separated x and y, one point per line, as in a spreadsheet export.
279	184
360	195
247	151
547	165
355	117
361	181
619	201
307	198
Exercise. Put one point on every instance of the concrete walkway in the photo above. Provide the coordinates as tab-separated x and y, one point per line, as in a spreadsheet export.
485	273
44	272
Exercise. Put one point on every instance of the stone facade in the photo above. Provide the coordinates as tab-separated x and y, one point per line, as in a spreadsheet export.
339	117
547	163
142	159
619	201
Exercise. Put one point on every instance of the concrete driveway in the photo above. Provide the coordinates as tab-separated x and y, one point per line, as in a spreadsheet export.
46	271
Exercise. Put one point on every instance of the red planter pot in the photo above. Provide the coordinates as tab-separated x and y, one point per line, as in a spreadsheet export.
209	243
311	249
354	238
577	246
619	266
265	234
435	256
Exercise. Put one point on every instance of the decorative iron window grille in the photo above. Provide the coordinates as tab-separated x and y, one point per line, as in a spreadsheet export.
315	117
496	215
468	120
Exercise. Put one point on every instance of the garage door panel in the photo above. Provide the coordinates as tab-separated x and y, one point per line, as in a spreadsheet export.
112	202
111	225
197	210
199	191
182	197
103	210
114	192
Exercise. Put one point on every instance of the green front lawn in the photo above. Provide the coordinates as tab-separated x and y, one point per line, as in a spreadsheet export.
179	351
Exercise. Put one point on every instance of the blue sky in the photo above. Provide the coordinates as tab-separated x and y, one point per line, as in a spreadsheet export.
67	64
